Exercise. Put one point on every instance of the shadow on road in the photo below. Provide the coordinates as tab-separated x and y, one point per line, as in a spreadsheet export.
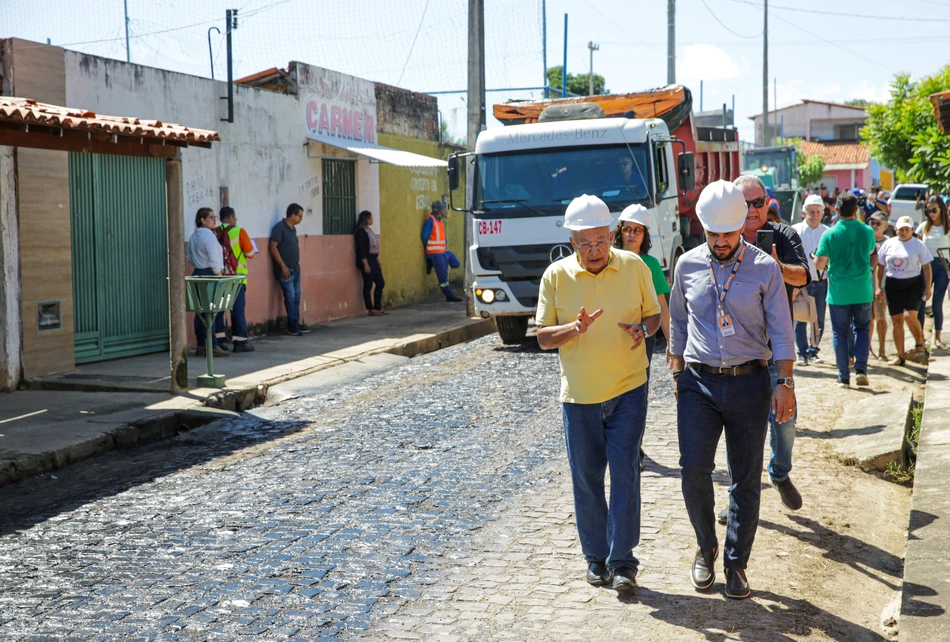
35	500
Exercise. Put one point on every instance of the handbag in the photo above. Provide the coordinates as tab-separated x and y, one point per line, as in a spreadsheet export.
803	305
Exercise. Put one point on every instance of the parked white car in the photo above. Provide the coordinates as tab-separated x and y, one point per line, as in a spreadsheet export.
903	202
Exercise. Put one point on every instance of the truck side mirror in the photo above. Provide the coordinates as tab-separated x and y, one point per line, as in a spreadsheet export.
453	171
686	170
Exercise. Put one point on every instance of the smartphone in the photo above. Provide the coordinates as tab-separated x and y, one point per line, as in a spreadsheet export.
764	240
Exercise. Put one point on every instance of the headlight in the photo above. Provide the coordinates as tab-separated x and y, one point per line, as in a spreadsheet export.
500	295
488	296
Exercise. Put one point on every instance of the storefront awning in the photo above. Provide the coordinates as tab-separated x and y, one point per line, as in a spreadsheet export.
382	154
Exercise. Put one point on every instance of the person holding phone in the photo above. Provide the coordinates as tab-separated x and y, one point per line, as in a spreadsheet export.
783	244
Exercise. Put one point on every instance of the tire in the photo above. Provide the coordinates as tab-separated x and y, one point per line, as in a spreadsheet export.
512	329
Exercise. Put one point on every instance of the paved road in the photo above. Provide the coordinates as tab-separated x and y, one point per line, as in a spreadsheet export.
308	519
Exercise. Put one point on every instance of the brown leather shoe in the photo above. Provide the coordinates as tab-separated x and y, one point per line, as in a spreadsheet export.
737	586
703	573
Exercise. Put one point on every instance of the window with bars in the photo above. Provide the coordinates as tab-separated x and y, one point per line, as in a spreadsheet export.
339	196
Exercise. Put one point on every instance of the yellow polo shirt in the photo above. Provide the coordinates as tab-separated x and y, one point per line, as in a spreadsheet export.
598	365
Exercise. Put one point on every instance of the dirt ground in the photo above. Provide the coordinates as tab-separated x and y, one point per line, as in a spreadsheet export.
829	571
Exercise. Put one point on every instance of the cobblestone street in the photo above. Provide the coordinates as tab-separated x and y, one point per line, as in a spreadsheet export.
430	501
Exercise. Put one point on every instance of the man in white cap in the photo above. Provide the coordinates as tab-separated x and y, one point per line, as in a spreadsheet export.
597	307
728	301
811	230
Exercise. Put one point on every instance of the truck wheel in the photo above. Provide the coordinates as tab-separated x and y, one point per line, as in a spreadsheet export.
512	329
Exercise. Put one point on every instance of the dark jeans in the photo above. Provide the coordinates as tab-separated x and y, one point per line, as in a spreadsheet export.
820	292
599	435
707	405
238	320
846	319
441	263
375	277
291	289
199	324
940	282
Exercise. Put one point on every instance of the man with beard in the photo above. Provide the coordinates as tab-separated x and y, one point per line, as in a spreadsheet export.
728	301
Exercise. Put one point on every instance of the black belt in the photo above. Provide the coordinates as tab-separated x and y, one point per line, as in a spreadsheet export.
730	371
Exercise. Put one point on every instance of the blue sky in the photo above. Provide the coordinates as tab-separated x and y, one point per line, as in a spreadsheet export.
831	50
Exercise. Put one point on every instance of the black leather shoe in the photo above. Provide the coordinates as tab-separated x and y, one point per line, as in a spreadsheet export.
453	299
737	586
703	573
791	498
625	579
598	574
723	515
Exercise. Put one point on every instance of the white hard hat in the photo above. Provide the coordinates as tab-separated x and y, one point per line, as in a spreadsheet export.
904	221
587	212
813	199
721	207
636	213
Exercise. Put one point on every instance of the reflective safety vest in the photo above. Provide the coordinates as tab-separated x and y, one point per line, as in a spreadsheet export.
436	243
234	234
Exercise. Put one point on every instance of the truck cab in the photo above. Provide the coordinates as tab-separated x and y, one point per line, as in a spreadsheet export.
525	176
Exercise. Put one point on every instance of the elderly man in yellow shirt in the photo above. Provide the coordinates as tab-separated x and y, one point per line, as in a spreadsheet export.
597	307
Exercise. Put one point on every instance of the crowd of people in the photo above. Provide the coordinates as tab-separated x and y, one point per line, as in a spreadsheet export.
223	250
739	308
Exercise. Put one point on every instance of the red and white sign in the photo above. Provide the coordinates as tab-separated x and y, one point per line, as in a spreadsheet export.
487	228
338	106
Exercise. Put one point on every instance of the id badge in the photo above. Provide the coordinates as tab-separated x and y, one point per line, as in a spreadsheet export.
726	328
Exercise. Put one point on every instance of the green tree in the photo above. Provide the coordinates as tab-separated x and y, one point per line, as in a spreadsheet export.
579	84
810	168
903	134
858	102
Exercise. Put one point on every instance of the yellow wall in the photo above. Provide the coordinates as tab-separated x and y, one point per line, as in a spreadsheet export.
404	197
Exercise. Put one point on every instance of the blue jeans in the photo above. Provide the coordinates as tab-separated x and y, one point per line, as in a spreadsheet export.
846	319
291	289
781	438
238	320
707	405
820	292
441	264
599	435
199	324
940	281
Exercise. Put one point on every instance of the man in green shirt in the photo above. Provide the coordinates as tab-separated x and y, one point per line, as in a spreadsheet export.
846	251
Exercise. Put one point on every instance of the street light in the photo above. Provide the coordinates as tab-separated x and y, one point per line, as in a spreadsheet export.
593	46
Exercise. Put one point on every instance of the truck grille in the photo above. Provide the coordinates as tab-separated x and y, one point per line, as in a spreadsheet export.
521	267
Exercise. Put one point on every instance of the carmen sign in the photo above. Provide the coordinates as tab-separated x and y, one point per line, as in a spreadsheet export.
337	105
336	121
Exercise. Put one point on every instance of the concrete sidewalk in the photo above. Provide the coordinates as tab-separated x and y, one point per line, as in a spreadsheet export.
61	419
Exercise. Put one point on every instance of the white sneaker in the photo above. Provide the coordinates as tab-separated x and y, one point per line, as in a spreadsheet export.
801	361
816	359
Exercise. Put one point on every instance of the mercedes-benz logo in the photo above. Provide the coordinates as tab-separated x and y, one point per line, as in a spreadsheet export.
560	251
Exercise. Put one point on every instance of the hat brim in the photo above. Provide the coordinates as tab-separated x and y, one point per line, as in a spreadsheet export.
723	228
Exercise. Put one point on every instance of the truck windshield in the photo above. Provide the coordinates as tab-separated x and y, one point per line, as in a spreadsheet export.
764	159
540	182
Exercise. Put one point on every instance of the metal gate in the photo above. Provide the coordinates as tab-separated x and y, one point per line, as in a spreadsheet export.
339	196
119	255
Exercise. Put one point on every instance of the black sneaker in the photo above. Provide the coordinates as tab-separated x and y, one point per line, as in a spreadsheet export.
303	328
844	383
861	378
453	299
242	347
294	333
625	579
598	574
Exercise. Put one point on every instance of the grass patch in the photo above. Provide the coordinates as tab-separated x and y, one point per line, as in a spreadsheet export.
904	473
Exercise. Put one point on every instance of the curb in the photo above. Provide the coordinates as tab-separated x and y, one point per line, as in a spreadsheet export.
220	405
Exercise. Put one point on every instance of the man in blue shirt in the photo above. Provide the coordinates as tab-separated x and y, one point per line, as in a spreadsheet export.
728	301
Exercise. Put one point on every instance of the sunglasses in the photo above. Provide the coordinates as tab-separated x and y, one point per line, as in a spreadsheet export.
933	210
630	231
756	203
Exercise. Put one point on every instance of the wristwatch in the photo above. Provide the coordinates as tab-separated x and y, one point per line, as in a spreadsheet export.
646	332
785	381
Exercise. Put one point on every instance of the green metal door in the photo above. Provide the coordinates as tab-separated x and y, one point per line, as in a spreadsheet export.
339	196
119	255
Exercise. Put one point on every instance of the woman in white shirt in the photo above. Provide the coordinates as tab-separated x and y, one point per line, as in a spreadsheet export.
206	255
934	231
905	261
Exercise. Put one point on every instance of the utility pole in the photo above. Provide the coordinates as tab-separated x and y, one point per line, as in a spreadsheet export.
564	65
671	42
128	52
476	122
765	77
593	46
544	44
230	19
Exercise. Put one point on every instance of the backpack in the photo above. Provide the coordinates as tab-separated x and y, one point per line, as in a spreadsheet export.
230	261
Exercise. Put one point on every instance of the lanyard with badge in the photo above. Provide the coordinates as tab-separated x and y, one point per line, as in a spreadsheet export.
726	327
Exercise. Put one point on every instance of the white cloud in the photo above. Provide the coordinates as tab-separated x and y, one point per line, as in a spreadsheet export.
705	62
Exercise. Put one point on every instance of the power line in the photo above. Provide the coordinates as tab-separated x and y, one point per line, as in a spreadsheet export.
613	22
413	45
725	26
835	44
849	16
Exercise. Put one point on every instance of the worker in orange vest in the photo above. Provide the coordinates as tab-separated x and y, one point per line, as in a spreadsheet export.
437	249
